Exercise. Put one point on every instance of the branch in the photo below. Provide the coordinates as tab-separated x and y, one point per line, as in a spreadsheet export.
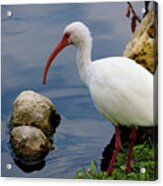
133	11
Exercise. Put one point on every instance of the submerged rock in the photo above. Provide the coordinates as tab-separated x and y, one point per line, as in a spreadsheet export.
33	109
33	121
30	144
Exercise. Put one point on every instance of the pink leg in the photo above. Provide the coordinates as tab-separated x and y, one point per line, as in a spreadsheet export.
117	148
133	136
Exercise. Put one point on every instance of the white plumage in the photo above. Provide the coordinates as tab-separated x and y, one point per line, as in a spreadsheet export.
121	89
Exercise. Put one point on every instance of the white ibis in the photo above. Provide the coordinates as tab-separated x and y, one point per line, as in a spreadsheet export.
121	89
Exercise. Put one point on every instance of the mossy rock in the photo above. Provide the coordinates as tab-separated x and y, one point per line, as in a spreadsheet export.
29	144
33	109
142	46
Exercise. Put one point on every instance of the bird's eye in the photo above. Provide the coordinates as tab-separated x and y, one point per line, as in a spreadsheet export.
67	35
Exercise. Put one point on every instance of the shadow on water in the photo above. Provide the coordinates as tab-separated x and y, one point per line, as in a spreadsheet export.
30	168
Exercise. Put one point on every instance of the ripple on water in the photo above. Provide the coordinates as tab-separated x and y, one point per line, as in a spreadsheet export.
14	26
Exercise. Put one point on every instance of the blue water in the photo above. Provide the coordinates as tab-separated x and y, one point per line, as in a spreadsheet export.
28	37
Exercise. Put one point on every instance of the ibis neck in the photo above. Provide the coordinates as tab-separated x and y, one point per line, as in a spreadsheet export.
84	61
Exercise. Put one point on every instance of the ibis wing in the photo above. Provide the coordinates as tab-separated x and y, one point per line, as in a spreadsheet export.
123	91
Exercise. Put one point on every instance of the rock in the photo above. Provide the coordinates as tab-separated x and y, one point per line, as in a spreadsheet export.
142	46
33	109
30	145
33	121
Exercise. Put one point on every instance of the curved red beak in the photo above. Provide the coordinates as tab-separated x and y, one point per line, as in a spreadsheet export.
63	43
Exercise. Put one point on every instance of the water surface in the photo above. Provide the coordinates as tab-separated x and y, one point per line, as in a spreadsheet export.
28	37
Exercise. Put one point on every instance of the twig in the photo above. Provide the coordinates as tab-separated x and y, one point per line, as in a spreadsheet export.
134	13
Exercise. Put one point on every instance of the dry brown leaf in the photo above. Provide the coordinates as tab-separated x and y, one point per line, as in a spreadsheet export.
133	23
128	11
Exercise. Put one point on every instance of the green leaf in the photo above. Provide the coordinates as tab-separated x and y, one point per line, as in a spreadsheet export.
92	167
